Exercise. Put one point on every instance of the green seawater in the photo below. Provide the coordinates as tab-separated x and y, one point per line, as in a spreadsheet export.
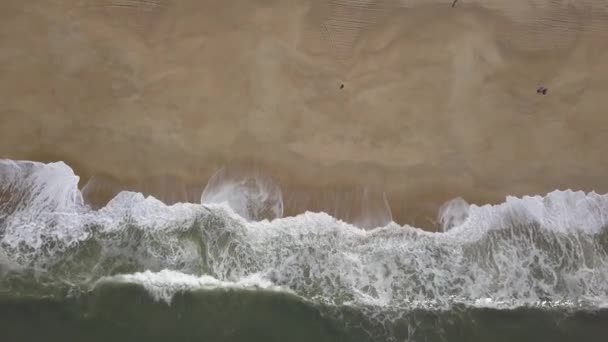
121	312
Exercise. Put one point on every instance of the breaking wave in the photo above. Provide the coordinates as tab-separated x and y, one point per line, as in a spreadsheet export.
540	252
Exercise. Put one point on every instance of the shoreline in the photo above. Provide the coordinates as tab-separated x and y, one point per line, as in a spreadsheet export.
425	103
362	205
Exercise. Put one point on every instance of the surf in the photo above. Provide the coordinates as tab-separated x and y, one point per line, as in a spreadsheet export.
540	252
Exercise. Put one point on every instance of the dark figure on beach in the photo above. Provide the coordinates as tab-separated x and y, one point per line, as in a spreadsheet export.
542	90
341	86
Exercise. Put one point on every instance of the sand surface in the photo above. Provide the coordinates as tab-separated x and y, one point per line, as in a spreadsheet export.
436	102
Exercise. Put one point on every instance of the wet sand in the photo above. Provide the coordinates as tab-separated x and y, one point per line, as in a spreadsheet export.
436	101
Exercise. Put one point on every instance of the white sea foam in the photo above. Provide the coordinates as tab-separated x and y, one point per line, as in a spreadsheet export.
41	201
453	213
253	196
165	284
525	251
559	211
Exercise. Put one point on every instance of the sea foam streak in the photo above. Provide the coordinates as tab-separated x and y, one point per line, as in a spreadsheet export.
523	252
165	284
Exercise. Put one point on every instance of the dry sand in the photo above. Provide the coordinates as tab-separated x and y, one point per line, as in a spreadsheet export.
437	101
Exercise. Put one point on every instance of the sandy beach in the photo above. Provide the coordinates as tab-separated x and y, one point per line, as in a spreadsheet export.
407	103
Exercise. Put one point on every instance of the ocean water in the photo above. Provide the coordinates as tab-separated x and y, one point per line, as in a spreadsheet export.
529	269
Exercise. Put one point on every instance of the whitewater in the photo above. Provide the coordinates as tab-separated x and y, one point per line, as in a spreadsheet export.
546	253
